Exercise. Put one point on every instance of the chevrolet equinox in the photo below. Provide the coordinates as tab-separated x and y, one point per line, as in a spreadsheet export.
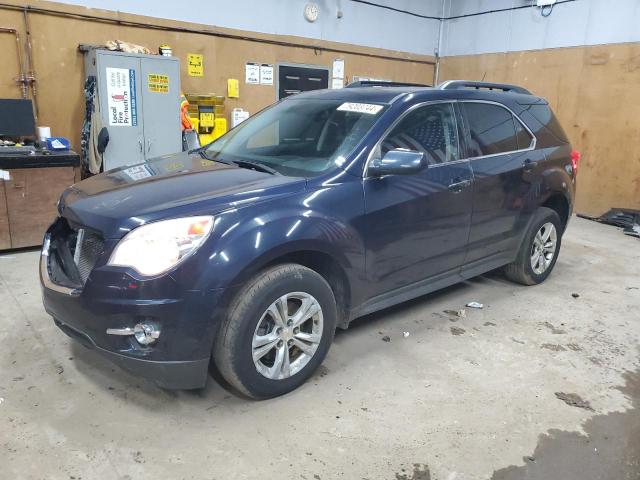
244	256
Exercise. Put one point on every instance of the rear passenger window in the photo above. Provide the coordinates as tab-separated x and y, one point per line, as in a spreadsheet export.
430	129
493	130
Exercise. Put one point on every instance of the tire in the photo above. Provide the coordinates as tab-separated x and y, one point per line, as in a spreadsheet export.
257	315
527	271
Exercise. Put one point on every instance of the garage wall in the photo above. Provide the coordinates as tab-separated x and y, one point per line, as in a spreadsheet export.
60	69
361	23
592	88
571	23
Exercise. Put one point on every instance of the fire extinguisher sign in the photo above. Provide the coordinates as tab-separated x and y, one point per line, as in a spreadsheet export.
121	97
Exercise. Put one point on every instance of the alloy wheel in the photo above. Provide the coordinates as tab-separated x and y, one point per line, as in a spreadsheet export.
544	248
287	336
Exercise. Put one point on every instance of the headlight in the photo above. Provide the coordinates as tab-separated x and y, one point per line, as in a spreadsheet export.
155	248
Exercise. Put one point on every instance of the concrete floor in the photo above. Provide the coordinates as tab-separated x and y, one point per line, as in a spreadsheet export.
470	399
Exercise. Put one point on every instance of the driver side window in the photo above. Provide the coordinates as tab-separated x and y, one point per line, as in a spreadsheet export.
430	129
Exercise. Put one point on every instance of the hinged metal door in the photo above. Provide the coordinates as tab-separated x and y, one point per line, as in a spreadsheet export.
121	108
161	100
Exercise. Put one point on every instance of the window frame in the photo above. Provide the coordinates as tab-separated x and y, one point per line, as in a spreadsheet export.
532	145
376	148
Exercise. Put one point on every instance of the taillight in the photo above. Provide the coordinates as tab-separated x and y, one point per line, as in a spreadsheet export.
575	160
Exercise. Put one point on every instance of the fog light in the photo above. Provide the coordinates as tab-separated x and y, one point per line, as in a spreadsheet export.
146	333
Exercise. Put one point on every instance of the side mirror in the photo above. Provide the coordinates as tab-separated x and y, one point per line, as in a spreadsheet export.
397	162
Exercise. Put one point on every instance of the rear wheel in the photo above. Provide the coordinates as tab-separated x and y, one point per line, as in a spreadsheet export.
539	250
278	331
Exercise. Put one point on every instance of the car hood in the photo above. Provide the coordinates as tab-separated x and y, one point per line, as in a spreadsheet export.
174	185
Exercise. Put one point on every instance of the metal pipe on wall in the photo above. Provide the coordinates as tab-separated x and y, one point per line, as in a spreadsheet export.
30	76
21	78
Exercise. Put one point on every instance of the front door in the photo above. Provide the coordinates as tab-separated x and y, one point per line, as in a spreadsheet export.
417	225
502	158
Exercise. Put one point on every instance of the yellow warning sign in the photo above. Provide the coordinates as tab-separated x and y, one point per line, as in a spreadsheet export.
195	65
207	119
158	83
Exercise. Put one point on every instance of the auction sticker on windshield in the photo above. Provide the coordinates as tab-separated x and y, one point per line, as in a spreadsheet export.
368	108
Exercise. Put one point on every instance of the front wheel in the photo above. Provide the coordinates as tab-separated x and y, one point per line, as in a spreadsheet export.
278	330
539	250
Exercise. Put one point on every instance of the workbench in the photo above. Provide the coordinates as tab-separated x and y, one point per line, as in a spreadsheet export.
28	199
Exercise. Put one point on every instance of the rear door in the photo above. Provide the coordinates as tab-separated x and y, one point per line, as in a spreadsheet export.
503	158
417	225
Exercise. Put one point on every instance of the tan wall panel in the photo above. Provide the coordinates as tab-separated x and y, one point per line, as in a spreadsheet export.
594	92
60	67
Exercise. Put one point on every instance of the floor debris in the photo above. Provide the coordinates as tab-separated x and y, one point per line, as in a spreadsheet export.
457	331
475	305
405	334
574	400
551	346
386	338
462	313
575	295
628	220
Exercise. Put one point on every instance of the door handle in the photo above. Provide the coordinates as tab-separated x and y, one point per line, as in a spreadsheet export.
528	165
459	185
148	145
140	145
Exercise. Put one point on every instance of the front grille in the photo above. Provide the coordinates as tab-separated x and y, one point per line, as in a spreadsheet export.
86	253
73	253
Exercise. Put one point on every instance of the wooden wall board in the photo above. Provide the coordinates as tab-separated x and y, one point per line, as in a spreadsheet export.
5	237
32	195
594	92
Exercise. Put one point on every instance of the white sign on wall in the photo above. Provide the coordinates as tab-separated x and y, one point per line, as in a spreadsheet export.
252	73
266	74
338	68
121	97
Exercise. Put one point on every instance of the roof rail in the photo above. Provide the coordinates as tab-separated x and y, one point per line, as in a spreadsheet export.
382	83
466	84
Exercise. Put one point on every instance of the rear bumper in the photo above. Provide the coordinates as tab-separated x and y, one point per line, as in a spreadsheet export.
187	320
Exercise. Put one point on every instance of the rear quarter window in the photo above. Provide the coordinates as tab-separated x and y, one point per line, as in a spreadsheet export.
543	114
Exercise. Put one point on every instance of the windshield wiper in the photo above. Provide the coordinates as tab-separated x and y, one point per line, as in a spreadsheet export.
203	154
240	163
255	166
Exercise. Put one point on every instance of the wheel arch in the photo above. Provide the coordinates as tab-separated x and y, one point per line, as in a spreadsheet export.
331	266
559	203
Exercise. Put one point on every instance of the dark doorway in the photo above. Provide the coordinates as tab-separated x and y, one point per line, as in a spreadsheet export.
295	79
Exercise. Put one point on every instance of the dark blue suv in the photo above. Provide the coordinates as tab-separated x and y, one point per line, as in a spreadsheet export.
245	255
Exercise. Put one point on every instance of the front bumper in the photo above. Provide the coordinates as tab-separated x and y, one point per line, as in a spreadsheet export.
187	320
178	375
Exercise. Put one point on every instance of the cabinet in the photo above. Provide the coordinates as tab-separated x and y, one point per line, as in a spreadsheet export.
139	102
28	199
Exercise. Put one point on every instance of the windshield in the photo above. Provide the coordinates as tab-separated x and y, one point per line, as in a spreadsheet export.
300	138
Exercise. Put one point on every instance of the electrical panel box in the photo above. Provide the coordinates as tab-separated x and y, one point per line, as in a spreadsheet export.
138	97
